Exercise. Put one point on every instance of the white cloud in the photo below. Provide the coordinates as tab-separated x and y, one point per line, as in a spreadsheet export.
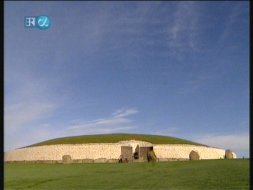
118	122
183	32
238	143
124	112
28	100
232	18
198	80
20	114
170	131
21	119
100	123
17	116
30	136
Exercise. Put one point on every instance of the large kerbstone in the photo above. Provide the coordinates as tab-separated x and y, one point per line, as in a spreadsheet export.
194	155
66	159
112	161
77	161
100	160
229	154
87	161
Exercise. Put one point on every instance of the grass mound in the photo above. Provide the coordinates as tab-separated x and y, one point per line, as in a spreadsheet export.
113	138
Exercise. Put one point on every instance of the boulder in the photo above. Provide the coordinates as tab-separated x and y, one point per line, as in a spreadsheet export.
66	159
100	160
229	154
87	161
77	161
194	155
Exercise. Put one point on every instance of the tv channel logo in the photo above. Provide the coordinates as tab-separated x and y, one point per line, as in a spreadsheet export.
40	22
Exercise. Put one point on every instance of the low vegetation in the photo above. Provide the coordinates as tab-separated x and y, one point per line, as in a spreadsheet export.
185	175
113	138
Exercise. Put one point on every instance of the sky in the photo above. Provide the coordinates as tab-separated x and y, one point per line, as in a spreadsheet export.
178	69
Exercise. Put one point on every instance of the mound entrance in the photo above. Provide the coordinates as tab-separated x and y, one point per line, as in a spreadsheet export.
136	150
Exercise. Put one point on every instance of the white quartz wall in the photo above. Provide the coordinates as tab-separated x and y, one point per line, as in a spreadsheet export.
108	151
182	151
55	152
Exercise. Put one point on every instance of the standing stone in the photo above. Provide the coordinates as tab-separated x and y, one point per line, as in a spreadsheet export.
66	159
194	155
229	154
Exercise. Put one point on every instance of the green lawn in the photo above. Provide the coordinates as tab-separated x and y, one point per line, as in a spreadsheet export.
203	174
113	138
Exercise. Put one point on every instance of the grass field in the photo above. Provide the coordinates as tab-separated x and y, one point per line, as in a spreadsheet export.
203	174
113	138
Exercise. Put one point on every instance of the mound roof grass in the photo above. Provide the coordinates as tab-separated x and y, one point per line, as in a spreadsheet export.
114	138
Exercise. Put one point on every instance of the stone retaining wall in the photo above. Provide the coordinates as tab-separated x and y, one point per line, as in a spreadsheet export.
55	152
182	152
107	151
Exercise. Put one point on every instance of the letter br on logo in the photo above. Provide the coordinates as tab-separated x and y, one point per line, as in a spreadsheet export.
30	22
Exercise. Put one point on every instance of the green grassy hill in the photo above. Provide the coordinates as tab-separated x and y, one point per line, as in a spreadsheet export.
113	138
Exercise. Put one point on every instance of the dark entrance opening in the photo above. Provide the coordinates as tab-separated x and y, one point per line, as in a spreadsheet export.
136	152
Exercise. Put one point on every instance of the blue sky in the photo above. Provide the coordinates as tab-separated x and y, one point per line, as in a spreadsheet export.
169	68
